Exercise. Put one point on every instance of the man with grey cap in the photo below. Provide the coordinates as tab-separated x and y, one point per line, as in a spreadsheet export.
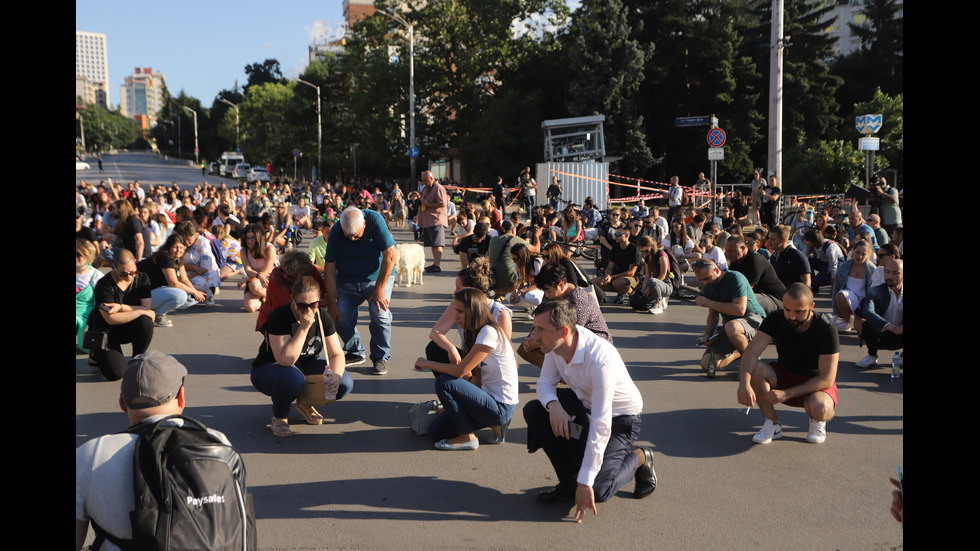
152	388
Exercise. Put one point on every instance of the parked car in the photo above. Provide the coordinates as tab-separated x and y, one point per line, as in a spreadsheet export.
241	171
214	167
81	165
258	174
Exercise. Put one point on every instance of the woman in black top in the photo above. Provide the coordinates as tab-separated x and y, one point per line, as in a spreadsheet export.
291	350
171	289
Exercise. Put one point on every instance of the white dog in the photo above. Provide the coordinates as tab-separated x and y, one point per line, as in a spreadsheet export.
410	263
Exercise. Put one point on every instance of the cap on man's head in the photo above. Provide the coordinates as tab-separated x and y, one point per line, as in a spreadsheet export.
152	379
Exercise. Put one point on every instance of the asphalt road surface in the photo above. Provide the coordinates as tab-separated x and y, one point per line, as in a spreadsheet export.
363	480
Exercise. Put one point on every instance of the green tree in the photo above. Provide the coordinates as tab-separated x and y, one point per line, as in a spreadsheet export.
262	73
507	136
227	128
176	124
698	68
828	166
265	112
378	103
105	130
879	63
463	51
607	62
334	87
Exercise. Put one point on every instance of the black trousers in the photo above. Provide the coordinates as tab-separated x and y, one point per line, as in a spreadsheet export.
138	332
619	463
880	340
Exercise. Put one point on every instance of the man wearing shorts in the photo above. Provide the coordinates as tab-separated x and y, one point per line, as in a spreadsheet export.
432	218
726	294
805	372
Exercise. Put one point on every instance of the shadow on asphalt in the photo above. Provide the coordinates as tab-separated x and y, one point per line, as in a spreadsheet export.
416	498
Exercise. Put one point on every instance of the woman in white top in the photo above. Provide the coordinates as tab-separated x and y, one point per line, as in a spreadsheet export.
706	246
491	396
851	283
199	260
477	275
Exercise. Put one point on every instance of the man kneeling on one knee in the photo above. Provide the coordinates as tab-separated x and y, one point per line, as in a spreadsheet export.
805	373
587	430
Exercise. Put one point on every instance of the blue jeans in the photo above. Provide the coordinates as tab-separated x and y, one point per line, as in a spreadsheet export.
349	297
164	300
284	384
468	408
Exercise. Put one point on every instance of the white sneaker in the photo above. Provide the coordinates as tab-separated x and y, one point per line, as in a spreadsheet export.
817	433
770	431
867	361
656	310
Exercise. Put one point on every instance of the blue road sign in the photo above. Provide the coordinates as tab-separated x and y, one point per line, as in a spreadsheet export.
413	152
693	121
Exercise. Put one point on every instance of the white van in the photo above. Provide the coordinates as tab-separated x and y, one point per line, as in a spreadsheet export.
230	160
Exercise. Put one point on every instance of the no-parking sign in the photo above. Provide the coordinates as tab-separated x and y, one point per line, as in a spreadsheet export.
716	137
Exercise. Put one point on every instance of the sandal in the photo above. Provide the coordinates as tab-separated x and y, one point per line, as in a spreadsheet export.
311	415
280	428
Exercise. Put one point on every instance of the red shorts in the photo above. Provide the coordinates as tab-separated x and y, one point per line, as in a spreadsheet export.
787	379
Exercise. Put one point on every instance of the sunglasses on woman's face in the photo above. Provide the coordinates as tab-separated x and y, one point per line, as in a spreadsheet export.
308	305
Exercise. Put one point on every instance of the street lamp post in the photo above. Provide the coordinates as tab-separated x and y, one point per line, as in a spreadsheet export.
319	131
197	159
236	118
411	87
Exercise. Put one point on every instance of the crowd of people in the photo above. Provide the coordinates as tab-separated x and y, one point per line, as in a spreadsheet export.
143	254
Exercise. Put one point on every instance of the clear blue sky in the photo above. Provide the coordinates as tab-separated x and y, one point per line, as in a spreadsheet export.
203	46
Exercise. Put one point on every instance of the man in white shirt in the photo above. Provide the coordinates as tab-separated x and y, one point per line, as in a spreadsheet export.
883	309
675	196
587	430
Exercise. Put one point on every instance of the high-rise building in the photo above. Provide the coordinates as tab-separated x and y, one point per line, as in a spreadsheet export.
91	68
142	94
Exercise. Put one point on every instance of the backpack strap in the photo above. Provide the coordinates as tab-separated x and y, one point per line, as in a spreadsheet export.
101	536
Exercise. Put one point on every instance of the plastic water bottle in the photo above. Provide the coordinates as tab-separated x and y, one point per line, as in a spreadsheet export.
327	375
712	364
896	363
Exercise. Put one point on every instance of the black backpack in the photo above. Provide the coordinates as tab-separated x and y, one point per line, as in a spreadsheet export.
190	491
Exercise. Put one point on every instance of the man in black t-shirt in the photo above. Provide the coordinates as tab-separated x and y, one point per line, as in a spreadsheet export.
790	263
621	272
757	271
805	372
